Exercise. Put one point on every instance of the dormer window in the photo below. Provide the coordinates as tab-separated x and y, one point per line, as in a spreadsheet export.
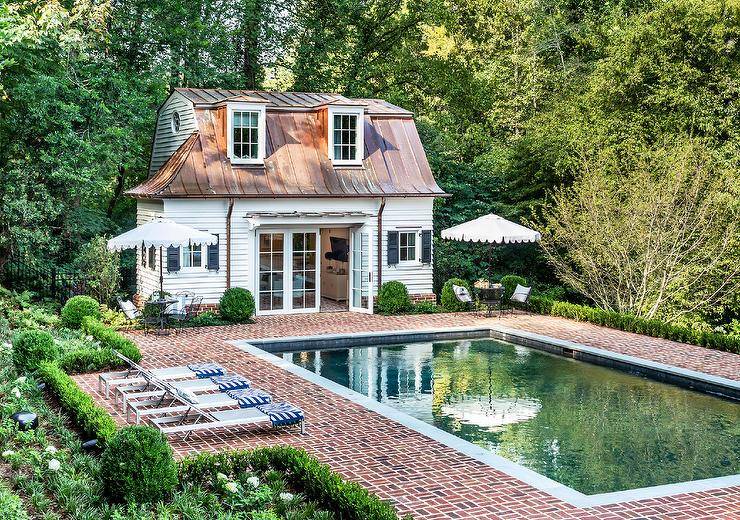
346	135
246	133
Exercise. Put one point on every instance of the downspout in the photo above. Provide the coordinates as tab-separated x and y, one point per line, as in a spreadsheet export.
228	243
380	242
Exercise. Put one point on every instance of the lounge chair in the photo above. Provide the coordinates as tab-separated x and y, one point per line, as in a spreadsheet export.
195	417
243	398
136	375
150	389
520	297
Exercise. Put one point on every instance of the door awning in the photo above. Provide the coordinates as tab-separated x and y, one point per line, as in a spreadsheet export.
260	218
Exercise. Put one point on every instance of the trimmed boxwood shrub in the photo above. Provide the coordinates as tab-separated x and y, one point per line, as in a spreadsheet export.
302	472
510	281
77	308
237	305
89	360
393	298
137	466
92	419
31	347
631	323
111	339
448	299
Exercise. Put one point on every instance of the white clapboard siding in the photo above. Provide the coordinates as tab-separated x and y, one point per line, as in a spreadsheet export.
147	279
205	215
210	215
165	141
408	214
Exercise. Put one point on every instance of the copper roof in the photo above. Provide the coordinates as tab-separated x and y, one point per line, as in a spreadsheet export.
296	160
288	100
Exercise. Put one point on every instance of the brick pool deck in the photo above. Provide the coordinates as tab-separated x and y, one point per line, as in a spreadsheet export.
419	475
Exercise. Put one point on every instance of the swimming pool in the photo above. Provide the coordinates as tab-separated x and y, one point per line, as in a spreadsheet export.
591	428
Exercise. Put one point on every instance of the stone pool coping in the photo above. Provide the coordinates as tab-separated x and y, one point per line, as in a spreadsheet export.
266	347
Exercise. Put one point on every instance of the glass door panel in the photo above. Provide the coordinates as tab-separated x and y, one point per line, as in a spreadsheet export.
271	271
304	270
361	276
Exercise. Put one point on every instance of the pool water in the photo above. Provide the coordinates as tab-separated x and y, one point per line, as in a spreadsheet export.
588	427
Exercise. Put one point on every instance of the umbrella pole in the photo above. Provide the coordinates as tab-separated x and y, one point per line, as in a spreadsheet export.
490	264
161	277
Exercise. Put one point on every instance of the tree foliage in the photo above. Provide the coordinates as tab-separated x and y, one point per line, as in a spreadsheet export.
514	100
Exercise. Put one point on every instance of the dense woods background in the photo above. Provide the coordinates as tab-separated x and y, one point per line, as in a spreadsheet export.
612	126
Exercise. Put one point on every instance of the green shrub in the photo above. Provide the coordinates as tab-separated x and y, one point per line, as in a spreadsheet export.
510	281
31	347
11	506
302	472
449	300
89	360
206	319
111	339
137	466
101	267
77	308
425	308
237	305
92	419
393	298
631	323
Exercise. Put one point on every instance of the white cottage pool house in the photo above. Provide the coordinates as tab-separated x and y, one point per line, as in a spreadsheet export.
316	199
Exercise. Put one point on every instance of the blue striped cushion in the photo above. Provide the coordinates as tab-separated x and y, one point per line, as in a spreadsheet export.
232	382
203	370
250	397
282	414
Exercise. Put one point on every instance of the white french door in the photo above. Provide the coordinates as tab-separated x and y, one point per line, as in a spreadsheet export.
287	271
361	273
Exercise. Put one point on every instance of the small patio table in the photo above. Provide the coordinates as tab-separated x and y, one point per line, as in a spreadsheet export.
493	298
162	321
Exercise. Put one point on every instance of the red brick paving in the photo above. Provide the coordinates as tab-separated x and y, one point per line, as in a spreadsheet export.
418	474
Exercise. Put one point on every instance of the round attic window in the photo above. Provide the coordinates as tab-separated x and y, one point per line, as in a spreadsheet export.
175	123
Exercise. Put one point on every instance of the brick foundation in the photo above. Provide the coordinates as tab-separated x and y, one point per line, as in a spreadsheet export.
428	297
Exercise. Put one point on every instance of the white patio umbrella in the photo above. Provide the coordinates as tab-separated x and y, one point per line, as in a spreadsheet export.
161	233
491	229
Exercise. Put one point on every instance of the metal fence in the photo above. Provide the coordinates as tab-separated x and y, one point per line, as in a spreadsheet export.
54	283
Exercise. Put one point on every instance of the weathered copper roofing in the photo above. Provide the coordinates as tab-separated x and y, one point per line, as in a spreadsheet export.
288	100
296	159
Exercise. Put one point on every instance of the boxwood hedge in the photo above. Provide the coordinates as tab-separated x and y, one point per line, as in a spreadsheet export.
632	323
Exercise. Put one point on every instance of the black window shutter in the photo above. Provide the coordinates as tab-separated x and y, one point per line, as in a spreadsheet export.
212	258
143	255
392	247
173	259
426	246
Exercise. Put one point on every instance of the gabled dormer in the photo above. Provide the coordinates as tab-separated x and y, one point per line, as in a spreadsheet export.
246	129
345	134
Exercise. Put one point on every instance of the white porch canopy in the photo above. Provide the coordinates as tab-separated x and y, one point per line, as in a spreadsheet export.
491	229
161	232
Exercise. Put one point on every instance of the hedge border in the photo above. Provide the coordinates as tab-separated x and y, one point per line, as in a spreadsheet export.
631	323
110	338
94	420
317	481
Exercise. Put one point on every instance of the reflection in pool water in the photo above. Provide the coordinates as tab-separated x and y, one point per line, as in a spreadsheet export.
588	427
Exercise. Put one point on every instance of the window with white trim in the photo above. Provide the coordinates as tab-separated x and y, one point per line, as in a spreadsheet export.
245	142
246	133
346	135
192	256
407	246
